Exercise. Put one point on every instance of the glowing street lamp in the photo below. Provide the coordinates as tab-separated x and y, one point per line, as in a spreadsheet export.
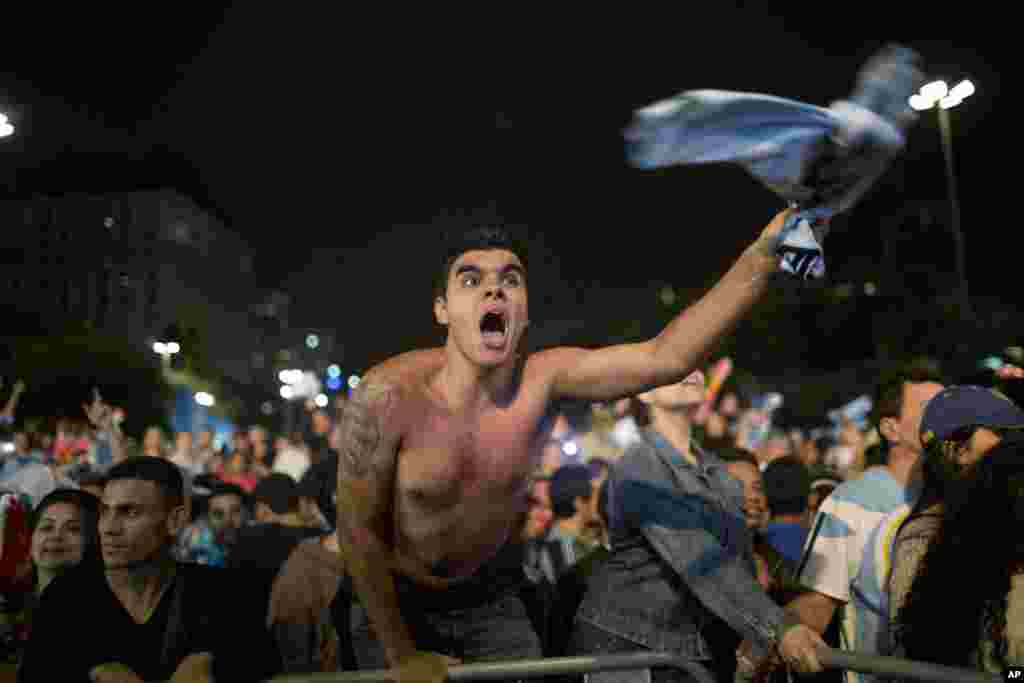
6	127
166	350
939	96
290	376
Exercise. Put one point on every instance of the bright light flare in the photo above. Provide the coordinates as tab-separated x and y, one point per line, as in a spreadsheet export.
962	90
205	399
290	376
920	103
935	90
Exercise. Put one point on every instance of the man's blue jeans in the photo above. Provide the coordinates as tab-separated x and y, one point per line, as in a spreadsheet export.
483	620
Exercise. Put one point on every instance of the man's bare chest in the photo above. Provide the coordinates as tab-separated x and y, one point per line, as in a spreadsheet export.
447	459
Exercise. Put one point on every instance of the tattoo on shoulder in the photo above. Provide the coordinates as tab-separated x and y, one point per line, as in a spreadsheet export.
362	428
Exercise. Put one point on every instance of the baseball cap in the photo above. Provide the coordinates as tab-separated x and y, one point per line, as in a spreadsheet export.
957	407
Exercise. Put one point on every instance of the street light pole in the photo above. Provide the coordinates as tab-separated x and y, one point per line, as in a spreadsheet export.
945	130
937	95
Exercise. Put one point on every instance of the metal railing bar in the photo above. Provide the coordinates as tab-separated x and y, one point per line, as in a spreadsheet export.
889	667
894	667
525	668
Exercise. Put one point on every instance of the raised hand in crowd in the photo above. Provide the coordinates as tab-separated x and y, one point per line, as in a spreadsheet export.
101	416
12	403
1010	372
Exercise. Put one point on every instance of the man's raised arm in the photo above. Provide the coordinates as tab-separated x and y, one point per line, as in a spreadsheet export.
629	369
366	474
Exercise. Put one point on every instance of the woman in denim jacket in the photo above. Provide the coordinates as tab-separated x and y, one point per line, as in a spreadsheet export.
681	556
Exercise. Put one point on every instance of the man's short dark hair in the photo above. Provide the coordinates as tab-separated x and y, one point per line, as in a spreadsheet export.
787	484
226	489
164	474
735	454
92	478
568	483
277	491
888	398
477	239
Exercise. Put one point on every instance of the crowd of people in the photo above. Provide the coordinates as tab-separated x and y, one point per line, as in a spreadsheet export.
658	509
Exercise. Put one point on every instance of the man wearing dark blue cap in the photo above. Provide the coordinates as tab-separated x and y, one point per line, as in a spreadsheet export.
959	426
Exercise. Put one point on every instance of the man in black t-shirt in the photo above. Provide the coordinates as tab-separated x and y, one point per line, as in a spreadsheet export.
279	526
143	616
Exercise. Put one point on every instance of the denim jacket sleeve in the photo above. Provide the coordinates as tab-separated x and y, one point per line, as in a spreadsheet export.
688	526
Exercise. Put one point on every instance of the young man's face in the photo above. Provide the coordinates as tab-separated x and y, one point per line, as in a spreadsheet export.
136	522
484	307
687	394
225	512
906	430
755	503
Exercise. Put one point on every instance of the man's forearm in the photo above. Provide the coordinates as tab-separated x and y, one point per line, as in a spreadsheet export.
117	453
691	334
11	407
814	609
370	564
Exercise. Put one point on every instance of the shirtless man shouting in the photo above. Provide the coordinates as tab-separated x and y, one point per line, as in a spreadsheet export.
438	446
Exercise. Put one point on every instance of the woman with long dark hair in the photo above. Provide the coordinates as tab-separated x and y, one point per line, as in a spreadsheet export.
65	533
64	529
965	605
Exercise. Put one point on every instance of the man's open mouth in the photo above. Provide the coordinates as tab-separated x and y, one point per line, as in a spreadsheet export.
494	329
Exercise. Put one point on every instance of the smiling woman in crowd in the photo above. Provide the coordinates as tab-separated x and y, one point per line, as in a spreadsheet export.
64	533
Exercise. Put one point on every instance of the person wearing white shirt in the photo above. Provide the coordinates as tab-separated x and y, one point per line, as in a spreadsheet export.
291	459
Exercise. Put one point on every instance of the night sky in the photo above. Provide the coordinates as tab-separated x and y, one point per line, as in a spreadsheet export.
342	144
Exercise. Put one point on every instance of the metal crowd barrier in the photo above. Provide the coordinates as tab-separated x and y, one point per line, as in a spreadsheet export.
888	667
